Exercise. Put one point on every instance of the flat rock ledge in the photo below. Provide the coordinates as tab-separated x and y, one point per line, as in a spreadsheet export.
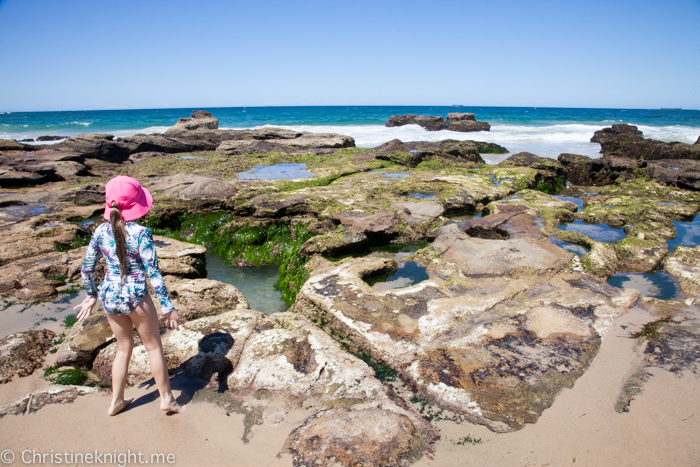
265	366
495	333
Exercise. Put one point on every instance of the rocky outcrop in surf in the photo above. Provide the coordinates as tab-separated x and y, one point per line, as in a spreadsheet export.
462	122
627	141
413	153
197	133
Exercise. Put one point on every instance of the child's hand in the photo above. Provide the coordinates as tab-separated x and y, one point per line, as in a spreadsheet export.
85	308
173	320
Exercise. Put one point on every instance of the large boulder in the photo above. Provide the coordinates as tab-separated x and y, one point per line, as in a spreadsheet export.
254	146
681	173
368	436
412	154
278	205
582	170
429	123
85	339
198	298
465	122
178	258
97	146
199	119
23	353
627	141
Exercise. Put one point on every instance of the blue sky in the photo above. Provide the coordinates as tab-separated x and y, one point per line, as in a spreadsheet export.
87	54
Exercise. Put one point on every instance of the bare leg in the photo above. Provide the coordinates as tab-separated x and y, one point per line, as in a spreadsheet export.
145	318
124	332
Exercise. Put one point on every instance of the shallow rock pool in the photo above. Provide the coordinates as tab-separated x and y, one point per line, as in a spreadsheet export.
276	172
575	249
688	234
598	232
578	201
257	284
409	273
659	285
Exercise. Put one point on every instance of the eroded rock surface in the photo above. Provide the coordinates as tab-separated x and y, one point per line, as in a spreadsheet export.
494	339
684	265
54	394
265	366
23	352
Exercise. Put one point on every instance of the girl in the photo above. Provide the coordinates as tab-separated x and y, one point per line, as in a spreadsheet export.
130	254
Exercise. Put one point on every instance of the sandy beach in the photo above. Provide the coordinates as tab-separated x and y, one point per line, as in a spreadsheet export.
582	428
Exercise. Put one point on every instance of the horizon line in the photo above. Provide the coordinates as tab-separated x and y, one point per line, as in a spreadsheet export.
3	112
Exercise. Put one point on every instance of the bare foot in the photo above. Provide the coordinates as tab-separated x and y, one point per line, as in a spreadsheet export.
119	406
172	406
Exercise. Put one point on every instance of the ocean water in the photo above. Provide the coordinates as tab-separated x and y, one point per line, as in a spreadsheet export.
543	131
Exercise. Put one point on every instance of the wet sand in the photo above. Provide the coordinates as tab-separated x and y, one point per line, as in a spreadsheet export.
581	428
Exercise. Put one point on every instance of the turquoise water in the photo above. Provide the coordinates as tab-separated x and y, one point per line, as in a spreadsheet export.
409	273
544	131
257	284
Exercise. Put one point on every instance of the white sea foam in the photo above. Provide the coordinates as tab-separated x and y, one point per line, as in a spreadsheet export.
683	134
79	123
548	141
543	140
151	130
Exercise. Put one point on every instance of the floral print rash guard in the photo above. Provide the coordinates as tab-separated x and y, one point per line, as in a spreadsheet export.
121	298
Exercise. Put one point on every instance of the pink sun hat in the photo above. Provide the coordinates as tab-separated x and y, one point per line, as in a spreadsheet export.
133	200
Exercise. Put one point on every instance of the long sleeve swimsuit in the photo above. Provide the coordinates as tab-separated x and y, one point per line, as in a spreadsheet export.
121	298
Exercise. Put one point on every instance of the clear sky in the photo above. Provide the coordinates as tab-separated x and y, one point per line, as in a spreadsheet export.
106	54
